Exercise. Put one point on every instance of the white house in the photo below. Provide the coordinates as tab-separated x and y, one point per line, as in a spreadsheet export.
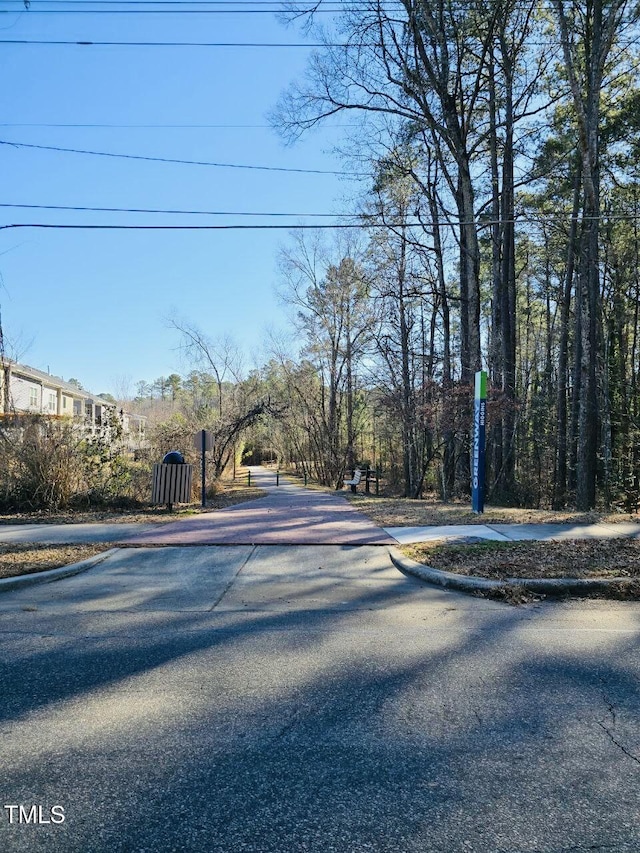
25	390
134	428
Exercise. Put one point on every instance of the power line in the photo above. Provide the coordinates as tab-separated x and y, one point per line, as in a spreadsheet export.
64	42
294	8
135	126
182	162
292	226
259	45
141	126
76	6
270	11
113	3
180	212
193	7
153	126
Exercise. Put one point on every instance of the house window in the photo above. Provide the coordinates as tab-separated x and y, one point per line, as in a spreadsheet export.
64	402
52	403
33	397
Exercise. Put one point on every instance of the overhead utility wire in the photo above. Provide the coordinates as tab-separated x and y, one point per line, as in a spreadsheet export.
113	3
342	5
151	7
186	7
129	126
372	5
82	43
271	11
292	225
183	162
156	126
180	212
219	44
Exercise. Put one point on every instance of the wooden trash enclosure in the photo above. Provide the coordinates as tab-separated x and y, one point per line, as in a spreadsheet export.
171	484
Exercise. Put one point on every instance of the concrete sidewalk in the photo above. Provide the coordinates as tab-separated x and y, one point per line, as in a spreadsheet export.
514	532
72	534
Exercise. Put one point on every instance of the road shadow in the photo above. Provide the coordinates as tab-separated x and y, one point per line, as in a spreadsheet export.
383	725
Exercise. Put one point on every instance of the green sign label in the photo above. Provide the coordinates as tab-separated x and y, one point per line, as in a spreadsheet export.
479	424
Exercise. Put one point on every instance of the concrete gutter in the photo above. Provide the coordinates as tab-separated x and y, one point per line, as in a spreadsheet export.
9	584
467	583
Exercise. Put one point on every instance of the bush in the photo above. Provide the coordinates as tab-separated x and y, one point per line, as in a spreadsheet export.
51	465
48	466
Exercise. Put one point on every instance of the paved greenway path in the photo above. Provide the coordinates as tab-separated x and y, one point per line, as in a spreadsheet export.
288	515
285	699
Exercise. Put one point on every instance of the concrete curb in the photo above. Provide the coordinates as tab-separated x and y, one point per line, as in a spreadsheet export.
465	583
9	584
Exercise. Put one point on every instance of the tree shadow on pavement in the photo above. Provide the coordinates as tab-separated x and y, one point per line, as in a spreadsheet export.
392	725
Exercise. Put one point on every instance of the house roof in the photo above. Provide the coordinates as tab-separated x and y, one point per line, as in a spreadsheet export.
53	382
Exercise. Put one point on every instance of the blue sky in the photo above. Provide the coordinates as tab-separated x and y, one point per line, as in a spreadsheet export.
94	304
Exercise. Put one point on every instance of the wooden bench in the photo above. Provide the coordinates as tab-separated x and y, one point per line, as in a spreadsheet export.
353	482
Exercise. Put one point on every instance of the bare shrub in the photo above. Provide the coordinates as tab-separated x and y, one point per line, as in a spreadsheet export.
48	464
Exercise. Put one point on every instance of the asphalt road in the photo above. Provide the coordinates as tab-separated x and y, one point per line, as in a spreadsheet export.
282	699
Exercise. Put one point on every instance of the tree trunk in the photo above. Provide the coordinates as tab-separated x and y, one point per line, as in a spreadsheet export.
560	480
585	69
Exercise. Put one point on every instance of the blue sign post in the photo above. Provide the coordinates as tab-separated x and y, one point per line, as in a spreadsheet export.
479	422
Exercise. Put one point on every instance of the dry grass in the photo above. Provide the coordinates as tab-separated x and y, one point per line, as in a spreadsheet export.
312	485
231	493
590	558
403	512
26	558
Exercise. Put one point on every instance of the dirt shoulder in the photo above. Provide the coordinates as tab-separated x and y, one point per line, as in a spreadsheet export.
403	512
232	494
26	558
585	559
524	572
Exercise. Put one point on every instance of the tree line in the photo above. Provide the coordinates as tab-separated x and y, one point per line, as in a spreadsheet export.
502	232
498	229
